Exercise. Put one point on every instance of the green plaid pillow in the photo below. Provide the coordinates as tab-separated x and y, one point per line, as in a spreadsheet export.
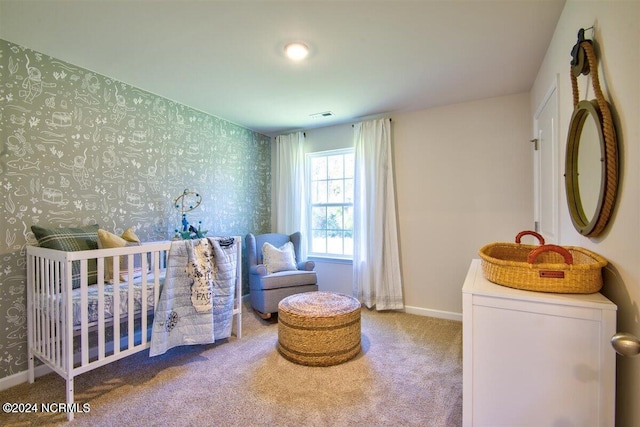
70	240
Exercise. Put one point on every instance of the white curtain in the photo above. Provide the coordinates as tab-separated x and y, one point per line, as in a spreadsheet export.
290	187
376	261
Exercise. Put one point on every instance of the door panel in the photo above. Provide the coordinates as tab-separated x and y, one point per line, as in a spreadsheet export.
546	167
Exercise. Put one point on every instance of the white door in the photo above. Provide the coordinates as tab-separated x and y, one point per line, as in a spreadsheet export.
545	167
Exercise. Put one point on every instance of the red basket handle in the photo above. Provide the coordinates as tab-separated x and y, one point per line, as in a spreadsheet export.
568	258
532	233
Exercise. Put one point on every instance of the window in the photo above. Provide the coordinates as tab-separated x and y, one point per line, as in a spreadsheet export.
331	203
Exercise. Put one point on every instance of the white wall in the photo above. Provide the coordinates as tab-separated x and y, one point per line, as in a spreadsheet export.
329	138
617	25
463	179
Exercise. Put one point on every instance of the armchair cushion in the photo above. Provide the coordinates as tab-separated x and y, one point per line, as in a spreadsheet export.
288	279
278	259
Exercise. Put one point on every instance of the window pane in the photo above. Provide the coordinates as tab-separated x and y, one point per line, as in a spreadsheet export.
334	243
334	220
336	191
319	241
348	190
318	168
319	192
319	218
348	221
336	166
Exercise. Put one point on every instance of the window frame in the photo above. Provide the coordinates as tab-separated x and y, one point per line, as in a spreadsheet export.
310	205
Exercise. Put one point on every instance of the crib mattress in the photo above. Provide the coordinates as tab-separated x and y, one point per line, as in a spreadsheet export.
92	300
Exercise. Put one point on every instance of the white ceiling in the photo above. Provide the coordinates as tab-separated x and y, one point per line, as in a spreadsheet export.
226	57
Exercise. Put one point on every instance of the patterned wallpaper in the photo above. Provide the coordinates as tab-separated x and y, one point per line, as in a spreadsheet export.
78	148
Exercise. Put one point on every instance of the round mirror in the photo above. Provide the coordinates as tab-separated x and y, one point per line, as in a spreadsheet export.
590	167
590	174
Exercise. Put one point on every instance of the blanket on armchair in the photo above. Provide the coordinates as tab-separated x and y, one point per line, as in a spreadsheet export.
196	301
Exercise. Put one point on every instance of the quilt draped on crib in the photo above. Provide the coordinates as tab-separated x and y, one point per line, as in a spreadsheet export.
197	299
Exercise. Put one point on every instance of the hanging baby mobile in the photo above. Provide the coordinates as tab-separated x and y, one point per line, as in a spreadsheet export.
186	202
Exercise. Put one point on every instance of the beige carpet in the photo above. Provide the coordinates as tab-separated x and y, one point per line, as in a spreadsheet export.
409	373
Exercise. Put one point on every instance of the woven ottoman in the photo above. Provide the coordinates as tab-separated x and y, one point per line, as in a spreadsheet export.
319	328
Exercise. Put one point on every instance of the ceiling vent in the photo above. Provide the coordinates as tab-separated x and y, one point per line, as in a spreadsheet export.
322	115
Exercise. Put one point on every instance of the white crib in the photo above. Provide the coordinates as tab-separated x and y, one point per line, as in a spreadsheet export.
63	335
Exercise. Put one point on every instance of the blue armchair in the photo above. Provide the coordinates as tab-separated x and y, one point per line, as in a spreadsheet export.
267	289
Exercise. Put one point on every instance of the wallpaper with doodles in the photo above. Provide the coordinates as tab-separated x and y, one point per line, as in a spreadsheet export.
80	148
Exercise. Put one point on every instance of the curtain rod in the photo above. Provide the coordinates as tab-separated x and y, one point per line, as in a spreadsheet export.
389	120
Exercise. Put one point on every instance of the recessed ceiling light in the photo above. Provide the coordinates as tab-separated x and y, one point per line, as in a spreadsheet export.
296	51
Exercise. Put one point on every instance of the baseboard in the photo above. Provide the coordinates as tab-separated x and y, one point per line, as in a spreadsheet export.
449	315
23	377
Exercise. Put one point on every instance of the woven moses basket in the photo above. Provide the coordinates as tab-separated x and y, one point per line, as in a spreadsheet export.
544	268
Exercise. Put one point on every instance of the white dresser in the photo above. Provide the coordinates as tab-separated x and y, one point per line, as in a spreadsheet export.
536	359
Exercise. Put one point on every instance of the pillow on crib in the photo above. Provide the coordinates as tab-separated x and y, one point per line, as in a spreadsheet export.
108	240
130	236
71	240
278	259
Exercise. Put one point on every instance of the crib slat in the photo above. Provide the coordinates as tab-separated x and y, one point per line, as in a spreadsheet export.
84	306
156	278
54	309
55	313
37	265
48	306
67	320
143	302
31	313
155	265
238	298
116	305
42	300
101	324
130	302
43	319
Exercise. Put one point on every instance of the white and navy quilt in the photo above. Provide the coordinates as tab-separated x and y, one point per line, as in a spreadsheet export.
196	301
